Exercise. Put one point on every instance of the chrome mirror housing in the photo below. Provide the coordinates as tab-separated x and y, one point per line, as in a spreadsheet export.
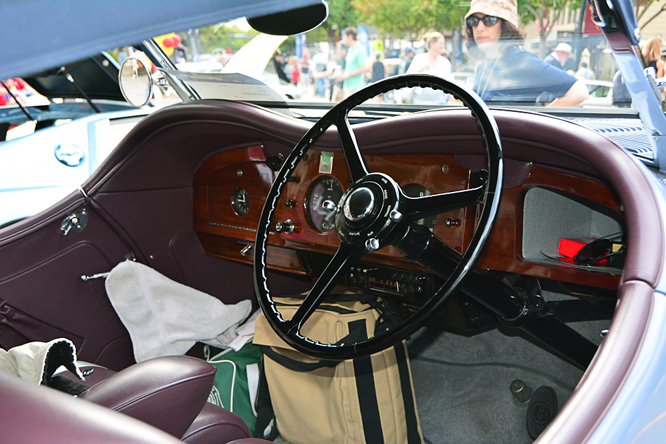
135	81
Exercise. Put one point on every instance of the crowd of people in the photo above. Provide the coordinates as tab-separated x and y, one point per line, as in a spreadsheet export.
505	72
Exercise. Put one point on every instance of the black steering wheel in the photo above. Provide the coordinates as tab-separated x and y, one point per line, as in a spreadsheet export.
373	213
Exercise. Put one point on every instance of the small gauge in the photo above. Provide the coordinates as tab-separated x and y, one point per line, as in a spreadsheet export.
241	201
416	190
325	188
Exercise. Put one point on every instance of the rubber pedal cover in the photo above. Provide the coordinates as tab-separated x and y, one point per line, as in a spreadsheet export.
541	410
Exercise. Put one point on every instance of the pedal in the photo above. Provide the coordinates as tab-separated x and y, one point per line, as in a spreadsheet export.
542	409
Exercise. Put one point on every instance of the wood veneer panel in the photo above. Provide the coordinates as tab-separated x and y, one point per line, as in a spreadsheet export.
220	176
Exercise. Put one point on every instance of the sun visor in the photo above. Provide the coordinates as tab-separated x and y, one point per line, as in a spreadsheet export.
291	22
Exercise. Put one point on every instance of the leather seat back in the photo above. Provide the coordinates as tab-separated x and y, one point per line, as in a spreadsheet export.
167	392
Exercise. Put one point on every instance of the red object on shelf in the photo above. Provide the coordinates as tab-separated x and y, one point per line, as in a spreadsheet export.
571	247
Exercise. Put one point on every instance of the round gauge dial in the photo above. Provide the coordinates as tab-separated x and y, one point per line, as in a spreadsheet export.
323	189
241	202
416	190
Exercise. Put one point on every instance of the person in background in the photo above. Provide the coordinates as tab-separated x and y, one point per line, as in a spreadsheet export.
305	79
652	55
295	75
407	61
560	55
278	62
507	73
319	63
335	68
434	63
379	70
377	73
584	72
353	77
620	93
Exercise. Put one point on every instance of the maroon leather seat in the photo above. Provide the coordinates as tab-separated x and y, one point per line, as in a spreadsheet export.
34	414
169	393
37	414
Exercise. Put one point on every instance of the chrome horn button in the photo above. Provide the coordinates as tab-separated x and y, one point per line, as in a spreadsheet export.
359	204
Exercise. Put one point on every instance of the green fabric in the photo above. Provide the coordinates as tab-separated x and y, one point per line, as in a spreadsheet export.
355	59
225	378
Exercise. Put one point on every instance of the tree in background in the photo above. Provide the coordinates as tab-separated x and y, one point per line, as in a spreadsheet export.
545	13
407	19
641	9
341	14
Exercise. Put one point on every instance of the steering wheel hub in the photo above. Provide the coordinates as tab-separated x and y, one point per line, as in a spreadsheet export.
366	209
359	204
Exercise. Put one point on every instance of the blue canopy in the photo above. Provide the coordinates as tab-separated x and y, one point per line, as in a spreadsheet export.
43	34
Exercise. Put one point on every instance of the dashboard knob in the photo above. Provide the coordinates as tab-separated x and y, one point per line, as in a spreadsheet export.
329	205
286	227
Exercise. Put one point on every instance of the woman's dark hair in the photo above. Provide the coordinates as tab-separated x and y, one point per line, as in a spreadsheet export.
510	36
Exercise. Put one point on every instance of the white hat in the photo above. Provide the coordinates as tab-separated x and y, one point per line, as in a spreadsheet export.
563	47
504	9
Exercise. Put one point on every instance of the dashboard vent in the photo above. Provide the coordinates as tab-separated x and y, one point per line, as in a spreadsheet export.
630	135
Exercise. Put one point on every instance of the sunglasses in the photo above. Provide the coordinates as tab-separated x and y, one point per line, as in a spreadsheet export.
488	20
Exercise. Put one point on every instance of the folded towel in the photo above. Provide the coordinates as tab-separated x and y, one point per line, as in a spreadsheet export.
37	361
166	318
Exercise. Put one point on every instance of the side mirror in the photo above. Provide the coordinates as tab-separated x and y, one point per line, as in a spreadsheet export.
292	22
135	81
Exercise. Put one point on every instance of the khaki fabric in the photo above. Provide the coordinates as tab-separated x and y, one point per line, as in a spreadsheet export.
324	405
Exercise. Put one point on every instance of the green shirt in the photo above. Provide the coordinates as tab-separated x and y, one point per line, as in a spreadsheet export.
355	59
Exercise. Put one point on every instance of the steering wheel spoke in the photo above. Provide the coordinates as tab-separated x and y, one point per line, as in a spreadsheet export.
344	258
420	207
355	160
424	247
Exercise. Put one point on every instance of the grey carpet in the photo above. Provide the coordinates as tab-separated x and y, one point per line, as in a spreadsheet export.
462	384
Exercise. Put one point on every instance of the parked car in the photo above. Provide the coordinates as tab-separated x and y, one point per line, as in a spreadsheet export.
601	94
519	253
80	118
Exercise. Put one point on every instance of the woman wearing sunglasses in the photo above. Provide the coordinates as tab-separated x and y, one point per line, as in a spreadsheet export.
508	73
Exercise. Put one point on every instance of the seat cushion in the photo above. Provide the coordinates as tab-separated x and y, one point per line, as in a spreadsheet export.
167	392
213	424
216	425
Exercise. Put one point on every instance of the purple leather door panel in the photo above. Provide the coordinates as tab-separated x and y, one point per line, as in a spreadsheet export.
42	295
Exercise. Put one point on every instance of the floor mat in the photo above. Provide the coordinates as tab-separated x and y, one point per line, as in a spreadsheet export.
462	384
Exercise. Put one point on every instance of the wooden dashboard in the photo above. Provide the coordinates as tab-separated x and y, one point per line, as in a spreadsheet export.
230	189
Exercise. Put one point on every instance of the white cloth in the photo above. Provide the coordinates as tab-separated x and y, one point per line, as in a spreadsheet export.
32	360
245	332
165	318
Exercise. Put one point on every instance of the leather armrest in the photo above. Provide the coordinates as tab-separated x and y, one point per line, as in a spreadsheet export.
167	392
38	414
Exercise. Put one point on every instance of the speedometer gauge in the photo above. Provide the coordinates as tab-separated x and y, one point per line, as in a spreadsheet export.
323	189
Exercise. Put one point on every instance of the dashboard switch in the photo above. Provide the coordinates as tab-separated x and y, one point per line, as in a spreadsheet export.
286	227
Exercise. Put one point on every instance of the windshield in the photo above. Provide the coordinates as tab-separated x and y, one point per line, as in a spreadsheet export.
506	52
